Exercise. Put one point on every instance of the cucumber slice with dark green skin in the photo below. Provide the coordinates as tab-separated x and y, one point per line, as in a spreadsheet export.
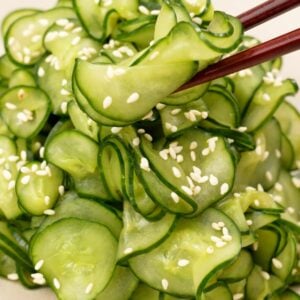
85	209
209	158
289	119
174	266
265	101
24	38
8	170
25	110
139	235
37	187
76	254
21	77
219	291
121	285
14	16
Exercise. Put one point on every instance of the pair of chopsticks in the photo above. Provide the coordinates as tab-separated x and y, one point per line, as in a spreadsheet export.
278	46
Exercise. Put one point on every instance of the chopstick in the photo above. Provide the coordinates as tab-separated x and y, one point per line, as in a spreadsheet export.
281	45
266	11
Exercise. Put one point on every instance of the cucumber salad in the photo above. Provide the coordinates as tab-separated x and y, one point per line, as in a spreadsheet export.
114	185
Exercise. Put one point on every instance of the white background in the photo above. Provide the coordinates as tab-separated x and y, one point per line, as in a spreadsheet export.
280	25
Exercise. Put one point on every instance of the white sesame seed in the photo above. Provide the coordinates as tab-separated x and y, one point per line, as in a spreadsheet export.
210	249
12	276
277	263
39	281
148	137
183	262
144	10
43	22
144	164
269	176
215	239
47	200
296	182
165	283
49	212
179	158
265	275
61	190
187	190
290	210
278	187
220	244
175	197
107	102
238	296
224	188
25	180
11	185
227	238
65	92
221	224
10	106
249	222
42	152
213	180
64	107
141	131
155	12
215	226
27	59
56	283
242	129
41	72
154	55
62	22
197	20
128	250
89	288
76	41
160	106
116	130
37	275
193	155
39	265
256	202
205	151
175	111
117	54
176	172
197	189
6	174
266	97
136	141
164	154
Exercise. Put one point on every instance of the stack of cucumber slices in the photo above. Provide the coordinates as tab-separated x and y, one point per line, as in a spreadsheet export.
116	186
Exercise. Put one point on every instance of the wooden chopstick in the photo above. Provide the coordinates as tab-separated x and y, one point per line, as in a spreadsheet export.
266	11
281	45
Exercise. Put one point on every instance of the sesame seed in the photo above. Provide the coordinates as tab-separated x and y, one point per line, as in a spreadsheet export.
25	180
47	200
175	197
183	262
260	188
175	111
197	20
210	249
10	106
277	263
224	188
291	210
6	174
160	106
296	182
144	10
205	151
242	129
144	164
215	239
227	238
213	180
41	72
255	246
42	152
148	137
265	275
64	107
117	54
266	97
116	130
69	26
193	155
220	244
56	283
27	59
141	131
193	145
176	172
89	288
256	202
76	41
215	226
62	22
65	92
179	158
277	153
269	175
128	250
154	55
12	276
41	173
49	212
197	189
37	275
43	22
249	222
39	281
187	190
107	102
238	296
11	185
136	141
155	12
221	224
61	190
165	283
